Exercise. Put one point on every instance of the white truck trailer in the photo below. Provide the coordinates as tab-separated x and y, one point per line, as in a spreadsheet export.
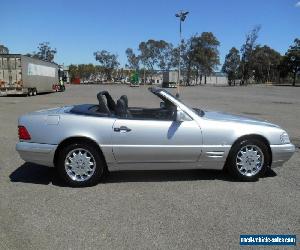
170	79
23	75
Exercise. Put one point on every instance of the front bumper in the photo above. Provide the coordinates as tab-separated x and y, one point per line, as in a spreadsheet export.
281	154
38	153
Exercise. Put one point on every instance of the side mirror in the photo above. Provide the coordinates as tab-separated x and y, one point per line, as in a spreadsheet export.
181	116
162	105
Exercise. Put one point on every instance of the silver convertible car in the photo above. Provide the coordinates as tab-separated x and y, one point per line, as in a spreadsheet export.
85	141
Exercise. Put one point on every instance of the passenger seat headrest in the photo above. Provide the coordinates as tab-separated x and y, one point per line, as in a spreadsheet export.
125	99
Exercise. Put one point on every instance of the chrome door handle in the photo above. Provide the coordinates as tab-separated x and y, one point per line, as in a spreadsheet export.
122	129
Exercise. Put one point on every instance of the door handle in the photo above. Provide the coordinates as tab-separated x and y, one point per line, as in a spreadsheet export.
122	129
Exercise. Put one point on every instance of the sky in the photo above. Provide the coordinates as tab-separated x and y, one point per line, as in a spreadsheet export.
79	28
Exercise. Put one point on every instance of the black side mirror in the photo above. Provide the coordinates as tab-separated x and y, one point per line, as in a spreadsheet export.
162	105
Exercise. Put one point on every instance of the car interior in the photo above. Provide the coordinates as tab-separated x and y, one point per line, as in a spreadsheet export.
108	107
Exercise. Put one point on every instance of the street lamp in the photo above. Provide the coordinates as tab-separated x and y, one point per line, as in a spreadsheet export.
293	59
182	16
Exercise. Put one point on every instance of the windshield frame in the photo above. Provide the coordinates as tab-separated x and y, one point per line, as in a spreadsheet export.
164	94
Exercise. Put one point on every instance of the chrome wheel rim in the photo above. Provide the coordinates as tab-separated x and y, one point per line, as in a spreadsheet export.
80	164
249	160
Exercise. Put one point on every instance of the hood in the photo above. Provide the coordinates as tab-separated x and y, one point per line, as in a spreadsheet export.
222	116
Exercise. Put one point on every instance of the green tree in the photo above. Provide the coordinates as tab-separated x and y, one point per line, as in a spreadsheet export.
45	52
188	65
291	59
165	55
155	54
108	61
247	53
202	54
73	71
3	49
85	71
265	63
133	59
231	65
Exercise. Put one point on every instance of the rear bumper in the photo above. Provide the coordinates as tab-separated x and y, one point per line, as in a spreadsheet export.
12	91
42	154
281	154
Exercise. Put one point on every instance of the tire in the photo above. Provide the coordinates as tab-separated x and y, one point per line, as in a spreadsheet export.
34	92
30	92
72	166
248	159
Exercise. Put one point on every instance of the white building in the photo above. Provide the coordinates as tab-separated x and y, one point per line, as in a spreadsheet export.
216	78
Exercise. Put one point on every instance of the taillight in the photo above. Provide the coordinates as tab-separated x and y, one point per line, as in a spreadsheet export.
23	133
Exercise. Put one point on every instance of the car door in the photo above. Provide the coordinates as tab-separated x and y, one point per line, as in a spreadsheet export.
156	141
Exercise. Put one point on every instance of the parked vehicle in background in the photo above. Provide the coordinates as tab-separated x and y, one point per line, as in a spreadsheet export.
134	80
23	75
170	79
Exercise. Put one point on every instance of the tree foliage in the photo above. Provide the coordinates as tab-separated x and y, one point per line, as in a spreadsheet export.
45	52
3	49
201	55
247	53
206	54
108	61
231	65
133	59
83	71
265	63
155	54
291	61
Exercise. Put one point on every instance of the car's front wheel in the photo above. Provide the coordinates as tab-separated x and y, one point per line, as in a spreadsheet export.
80	165
248	159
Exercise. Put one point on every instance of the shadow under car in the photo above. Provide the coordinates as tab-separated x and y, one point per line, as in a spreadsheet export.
37	174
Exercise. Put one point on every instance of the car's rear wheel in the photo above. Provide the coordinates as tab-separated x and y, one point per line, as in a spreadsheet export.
248	159
80	165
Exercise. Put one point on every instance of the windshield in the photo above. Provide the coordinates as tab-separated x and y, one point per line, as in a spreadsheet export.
197	111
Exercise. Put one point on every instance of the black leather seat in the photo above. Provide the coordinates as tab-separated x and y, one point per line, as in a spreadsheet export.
102	108
110	102
125	99
122	110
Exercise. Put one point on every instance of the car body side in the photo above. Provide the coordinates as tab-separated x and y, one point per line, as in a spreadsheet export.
205	143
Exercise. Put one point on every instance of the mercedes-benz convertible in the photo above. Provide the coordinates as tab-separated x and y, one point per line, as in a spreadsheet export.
86	141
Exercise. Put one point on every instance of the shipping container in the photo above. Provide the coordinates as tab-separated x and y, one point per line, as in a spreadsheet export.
23	75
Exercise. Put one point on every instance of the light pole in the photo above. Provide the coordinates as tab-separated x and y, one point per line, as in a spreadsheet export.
181	15
293	59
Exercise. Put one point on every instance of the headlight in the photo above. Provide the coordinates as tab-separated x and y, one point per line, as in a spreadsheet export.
284	138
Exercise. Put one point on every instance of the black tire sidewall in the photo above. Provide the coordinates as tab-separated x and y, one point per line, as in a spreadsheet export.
233	154
94	179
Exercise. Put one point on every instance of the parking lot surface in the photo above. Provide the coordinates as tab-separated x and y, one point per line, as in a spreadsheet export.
197	209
